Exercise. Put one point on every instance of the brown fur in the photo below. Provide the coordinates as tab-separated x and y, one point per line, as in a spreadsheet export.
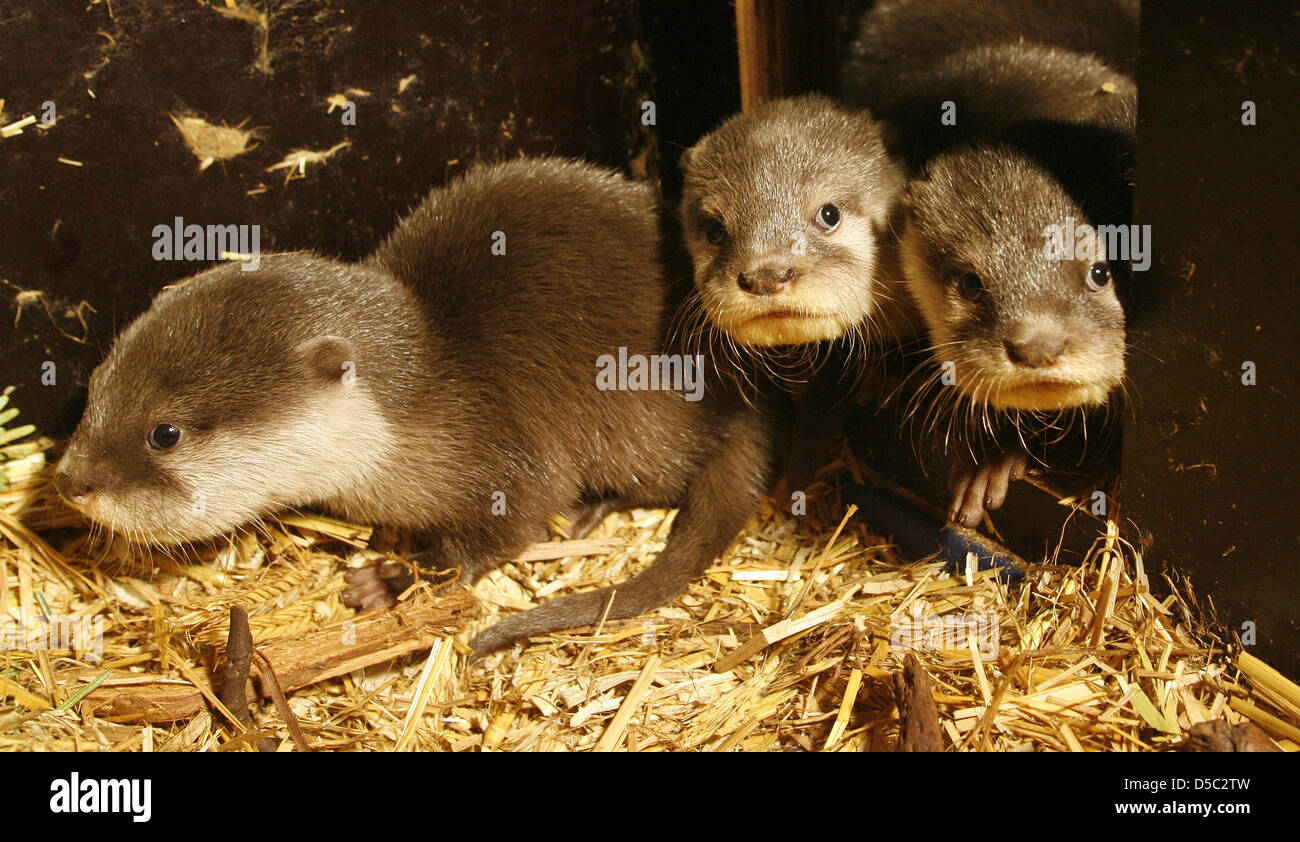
897	37
993	89
1037	143
474	373
1045	111
950	232
983	210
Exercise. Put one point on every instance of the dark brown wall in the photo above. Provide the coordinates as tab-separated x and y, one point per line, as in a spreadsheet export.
492	80
1209	464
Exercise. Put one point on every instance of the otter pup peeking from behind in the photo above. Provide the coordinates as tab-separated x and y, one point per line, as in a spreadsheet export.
1017	121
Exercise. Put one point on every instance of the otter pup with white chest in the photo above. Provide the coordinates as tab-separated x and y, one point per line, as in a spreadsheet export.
442	385
786	210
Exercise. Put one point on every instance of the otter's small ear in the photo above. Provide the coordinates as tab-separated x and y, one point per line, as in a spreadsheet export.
327	358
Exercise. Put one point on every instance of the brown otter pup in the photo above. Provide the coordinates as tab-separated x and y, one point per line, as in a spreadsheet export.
1017	120
488	366
896	38
1023	338
784	209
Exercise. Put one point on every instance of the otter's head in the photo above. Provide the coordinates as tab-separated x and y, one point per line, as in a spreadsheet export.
782	209
1014	285
228	399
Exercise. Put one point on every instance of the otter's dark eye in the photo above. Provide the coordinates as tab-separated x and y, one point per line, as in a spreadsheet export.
1098	277
828	218
164	437
970	286
715	231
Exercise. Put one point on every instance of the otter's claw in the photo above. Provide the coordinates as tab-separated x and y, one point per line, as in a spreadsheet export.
977	488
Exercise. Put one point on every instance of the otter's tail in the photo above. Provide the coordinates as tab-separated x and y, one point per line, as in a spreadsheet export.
723	495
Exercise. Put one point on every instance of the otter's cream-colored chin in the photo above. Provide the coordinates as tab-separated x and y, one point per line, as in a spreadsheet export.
107	517
786	327
1046	395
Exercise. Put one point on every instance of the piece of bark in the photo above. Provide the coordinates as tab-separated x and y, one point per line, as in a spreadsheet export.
239	655
410	626
918	716
1218	735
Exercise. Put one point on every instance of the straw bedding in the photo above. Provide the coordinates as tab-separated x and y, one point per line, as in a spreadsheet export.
785	645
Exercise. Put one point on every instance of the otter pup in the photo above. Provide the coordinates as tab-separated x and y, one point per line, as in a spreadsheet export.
784	210
1022	336
987	91
450	383
897	38
1036	98
1042	142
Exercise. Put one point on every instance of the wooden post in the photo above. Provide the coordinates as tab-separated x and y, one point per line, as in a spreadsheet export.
786	47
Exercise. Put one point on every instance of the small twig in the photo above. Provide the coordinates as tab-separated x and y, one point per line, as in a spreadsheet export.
781	630
614	731
985	725
206	692
918	716
281	703
821	559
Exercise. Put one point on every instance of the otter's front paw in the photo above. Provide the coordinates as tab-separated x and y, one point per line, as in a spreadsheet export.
977	488
377	586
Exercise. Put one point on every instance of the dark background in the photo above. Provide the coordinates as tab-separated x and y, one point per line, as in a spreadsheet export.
492	80
1208	463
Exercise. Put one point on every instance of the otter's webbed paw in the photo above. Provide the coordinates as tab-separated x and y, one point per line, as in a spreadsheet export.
377	586
980	487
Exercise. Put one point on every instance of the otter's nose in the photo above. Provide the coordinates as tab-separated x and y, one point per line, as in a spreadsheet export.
75	489
767	280
1037	351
